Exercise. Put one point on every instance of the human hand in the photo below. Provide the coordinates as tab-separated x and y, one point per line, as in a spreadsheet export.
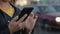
15	25
30	22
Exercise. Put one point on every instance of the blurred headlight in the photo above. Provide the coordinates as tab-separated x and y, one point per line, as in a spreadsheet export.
57	19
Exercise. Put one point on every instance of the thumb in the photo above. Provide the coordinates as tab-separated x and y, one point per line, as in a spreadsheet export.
35	18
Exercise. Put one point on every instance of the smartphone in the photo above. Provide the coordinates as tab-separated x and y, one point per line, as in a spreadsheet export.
26	10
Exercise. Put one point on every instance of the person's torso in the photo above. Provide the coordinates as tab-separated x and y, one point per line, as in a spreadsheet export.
5	18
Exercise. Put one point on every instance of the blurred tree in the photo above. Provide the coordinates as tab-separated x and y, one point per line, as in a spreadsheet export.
44	1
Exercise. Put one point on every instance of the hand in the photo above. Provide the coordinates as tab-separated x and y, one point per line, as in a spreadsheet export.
30	22
15	25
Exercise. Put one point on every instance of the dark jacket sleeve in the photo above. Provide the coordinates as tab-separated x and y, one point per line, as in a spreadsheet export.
3	26
5	31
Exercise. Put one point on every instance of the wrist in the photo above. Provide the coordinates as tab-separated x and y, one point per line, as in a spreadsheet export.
29	31
10	30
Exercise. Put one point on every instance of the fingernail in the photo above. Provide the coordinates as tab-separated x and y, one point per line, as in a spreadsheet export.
31	14
36	16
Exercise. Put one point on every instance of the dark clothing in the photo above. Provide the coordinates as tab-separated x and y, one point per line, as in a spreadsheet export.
4	18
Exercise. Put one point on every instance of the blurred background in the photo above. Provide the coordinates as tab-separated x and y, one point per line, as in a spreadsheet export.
37	2
48	12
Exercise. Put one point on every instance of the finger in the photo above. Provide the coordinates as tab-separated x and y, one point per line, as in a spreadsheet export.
21	19
32	14
35	18
21	25
14	19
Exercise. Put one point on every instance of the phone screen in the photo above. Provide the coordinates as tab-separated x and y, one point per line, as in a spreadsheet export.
27	11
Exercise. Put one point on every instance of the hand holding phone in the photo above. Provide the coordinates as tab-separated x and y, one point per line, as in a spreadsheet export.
27	11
